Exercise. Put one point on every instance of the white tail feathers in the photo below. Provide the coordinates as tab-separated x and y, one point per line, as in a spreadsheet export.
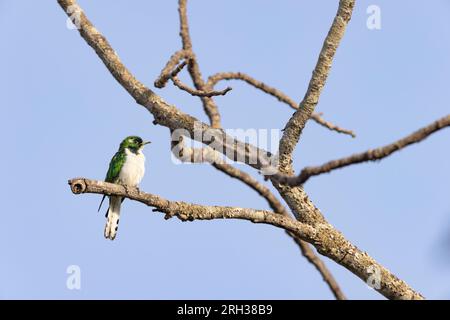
112	217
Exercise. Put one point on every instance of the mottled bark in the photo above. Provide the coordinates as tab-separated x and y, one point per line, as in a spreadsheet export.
327	240
310	225
297	122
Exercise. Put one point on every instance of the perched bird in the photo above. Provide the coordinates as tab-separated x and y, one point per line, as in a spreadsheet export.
127	167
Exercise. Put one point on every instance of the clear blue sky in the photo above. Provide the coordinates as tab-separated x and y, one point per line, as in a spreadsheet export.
63	115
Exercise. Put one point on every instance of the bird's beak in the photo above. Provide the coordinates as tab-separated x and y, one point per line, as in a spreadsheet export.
146	142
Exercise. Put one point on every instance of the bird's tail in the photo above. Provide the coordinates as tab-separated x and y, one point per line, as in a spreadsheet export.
112	217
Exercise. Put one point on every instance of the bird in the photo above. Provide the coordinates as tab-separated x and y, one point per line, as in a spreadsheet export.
127	167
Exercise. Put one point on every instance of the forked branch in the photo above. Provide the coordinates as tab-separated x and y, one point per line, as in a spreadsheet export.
297	122
326	239
208	155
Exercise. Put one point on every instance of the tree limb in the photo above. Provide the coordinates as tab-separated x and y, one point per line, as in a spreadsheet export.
211	110
277	207
296	198
281	96
324	237
197	155
189	211
297	122
327	240
165	114
369	155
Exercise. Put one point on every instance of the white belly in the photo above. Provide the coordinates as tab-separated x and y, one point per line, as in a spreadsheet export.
133	169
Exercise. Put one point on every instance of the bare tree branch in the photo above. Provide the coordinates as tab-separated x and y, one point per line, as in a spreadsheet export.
211	110
297	122
178	69
261	189
177	82
277	207
171	65
194	69
184	26
324	237
320	266
193	155
331	126
369	155
281	96
167	74
188	211
296	198
196	155
165	114
199	93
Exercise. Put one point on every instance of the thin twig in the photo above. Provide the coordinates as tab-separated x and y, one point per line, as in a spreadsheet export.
281	96
174	60
199	93
369	155
172	74
331	126
314	259
178	69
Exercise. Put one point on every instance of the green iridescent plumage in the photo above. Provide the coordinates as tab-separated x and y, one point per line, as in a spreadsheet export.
132	143
115	166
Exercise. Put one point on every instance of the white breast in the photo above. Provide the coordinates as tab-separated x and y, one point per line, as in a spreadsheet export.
133	169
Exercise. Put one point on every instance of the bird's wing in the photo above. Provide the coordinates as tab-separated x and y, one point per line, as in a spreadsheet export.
115	166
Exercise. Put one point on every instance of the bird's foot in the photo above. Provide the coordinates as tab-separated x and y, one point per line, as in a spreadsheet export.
127	188
130	189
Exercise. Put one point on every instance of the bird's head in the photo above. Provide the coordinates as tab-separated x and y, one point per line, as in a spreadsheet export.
133	143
